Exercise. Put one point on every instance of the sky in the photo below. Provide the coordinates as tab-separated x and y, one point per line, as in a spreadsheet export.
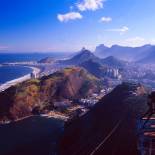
69	25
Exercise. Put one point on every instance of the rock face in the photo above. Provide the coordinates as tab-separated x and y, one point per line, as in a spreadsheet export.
113	117
20	100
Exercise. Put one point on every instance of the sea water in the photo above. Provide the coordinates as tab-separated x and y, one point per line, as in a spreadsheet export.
8	73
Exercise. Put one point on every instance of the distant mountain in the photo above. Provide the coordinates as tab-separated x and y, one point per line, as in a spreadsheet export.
113	62
82	56
150	57
86	55
47	60
94	68
102	71
121	52
20	100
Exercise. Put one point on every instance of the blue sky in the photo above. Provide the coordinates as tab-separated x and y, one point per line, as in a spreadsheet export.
69	25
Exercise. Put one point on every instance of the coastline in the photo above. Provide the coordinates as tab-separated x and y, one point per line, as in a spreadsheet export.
13	82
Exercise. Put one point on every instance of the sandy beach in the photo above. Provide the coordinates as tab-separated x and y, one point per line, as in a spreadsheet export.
20	79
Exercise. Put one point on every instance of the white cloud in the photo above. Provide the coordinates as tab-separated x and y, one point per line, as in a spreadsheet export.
152	41
90	5
135	40
69	16
106	19
138	41
122	30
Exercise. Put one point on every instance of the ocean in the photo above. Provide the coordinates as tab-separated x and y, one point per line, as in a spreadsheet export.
8	73
20	57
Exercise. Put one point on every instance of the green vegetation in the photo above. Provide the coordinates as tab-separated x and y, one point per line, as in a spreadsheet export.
69	83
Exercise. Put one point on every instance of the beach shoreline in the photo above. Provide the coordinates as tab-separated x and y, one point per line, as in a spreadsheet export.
13	82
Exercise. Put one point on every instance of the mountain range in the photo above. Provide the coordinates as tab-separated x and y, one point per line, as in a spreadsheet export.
144	54
111	119
69	83
100	67
86	55
113	62
80	57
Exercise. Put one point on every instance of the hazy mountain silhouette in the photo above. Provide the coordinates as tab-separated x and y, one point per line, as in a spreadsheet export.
94	68
150	57
113	62
122	52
